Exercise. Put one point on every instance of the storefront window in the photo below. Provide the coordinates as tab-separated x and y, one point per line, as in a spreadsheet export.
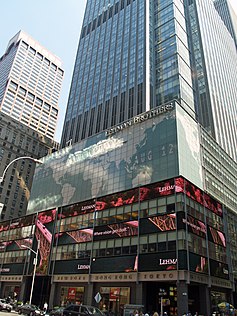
71	295
114	299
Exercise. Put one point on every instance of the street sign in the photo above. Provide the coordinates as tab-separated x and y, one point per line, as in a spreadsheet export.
98	297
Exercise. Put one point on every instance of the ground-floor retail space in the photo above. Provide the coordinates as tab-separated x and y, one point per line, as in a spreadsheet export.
174	293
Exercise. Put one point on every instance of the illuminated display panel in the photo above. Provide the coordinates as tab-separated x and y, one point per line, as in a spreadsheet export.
15	244
216	236
182	185
118	199
164	261
75	236
160	223
44	228
114	264
22	222
74	266
20	233
213	205
219	269
119	230
77	209
4	226
194	225
198	263
158	189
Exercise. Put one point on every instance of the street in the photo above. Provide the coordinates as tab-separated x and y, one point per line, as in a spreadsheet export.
4	313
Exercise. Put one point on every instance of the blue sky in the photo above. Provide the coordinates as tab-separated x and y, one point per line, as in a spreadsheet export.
56	25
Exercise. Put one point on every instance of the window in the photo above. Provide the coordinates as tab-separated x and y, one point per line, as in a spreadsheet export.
24	45
39	56
54	67
31	97
22	91
46	61
13	85
32	50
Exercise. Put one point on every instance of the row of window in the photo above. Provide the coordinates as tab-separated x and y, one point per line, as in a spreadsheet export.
41	57
106	15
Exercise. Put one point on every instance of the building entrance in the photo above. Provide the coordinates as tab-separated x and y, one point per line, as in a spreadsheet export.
153	298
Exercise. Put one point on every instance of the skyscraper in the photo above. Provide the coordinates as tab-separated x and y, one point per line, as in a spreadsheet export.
140	203
228	16
214	59
136	55
30	83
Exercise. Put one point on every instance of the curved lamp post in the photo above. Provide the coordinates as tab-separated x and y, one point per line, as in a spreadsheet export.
35	265
14	160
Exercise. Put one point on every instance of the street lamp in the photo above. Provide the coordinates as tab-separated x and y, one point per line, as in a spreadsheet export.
14	160
35	265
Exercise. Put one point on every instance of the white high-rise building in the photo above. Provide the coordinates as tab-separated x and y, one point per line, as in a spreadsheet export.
30	83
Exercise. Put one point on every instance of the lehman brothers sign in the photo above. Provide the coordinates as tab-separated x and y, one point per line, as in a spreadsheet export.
140	118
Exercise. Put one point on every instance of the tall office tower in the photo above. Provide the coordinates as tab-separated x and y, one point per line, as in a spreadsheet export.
135	55
228	16
126	64
30	84
214	58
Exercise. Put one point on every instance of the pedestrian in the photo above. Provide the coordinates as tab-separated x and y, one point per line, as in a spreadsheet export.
45	307
136	313
155	314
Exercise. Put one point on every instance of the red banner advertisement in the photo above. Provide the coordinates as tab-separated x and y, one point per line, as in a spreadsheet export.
71	293
114	294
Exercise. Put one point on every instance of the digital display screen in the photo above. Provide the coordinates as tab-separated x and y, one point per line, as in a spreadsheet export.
194	225
22	221
75	236
198	263
114	264
118	199
164	261
160	223
77	209
119	230
158	189
4	226
219	269
15	244
216	236
182	185
44	227
74	266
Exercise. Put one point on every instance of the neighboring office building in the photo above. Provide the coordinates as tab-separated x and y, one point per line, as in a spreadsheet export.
127	212
134	55
30	84
228	16
18	140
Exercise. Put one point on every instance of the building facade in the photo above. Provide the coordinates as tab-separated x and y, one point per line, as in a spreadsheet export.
30	83
19	140
127	213
134	55
228	16
141	199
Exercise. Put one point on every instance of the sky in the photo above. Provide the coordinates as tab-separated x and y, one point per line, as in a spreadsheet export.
56	25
